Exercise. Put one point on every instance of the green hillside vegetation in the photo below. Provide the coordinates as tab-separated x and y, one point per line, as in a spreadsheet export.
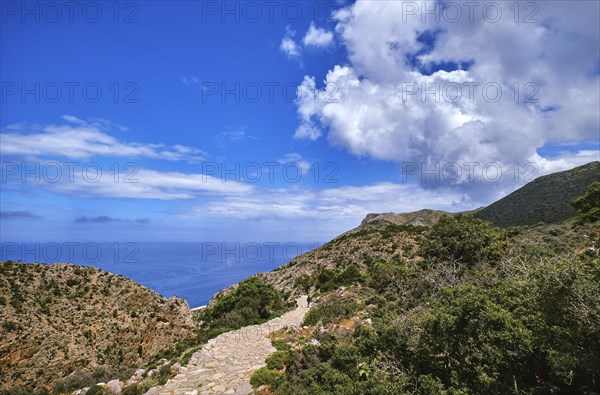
547	199
252	302
588	205
476	310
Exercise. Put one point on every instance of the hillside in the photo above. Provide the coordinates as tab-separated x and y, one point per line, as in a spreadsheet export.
459	307
67	320
377	240
546	199
424	217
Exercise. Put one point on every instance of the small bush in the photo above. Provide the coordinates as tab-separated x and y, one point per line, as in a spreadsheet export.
277	360
253	302
281	345
83	379
331	311
350	275
588	205
264	376
328	280
9	326
590	200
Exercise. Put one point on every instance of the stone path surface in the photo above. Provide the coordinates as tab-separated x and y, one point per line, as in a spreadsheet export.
224	365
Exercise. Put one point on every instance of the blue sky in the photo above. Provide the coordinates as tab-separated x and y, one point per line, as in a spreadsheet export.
163	120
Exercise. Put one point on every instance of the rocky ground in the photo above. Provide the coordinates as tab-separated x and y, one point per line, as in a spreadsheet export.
64	321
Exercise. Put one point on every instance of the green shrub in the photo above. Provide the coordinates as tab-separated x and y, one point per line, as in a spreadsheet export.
253	302
281	345
277	360
187	355
264	376
9	326
72	282
588	201
471	341
350	275
331	311
465	239
303	282
24	390
588	205
328	280
81	379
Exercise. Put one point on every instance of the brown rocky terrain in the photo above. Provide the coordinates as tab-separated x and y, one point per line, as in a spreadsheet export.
62	320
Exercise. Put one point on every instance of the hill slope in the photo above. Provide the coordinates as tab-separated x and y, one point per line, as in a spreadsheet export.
58	320
546	199
377	240
424	217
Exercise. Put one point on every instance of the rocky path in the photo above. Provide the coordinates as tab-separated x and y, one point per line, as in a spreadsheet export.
224	365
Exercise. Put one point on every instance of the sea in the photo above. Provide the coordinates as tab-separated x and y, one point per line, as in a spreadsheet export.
192	271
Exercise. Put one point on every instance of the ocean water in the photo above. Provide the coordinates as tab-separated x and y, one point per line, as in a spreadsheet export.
193	271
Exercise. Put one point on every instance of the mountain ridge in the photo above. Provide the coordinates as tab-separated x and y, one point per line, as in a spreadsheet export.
547	199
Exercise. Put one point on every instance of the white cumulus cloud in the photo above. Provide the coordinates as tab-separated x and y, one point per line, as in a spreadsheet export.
317	37
523	86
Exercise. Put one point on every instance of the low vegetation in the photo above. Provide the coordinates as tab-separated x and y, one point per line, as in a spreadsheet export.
479	310
252	302
588	205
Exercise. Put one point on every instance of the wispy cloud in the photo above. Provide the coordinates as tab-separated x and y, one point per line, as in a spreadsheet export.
79	139
18	215
342	203
297	160
189	80
141	184
104	219
232	136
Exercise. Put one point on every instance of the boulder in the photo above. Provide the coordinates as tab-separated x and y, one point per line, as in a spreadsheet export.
115	386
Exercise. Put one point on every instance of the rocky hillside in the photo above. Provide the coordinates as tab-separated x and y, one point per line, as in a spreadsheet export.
376	240
66	320
371	241
424	217
547	199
